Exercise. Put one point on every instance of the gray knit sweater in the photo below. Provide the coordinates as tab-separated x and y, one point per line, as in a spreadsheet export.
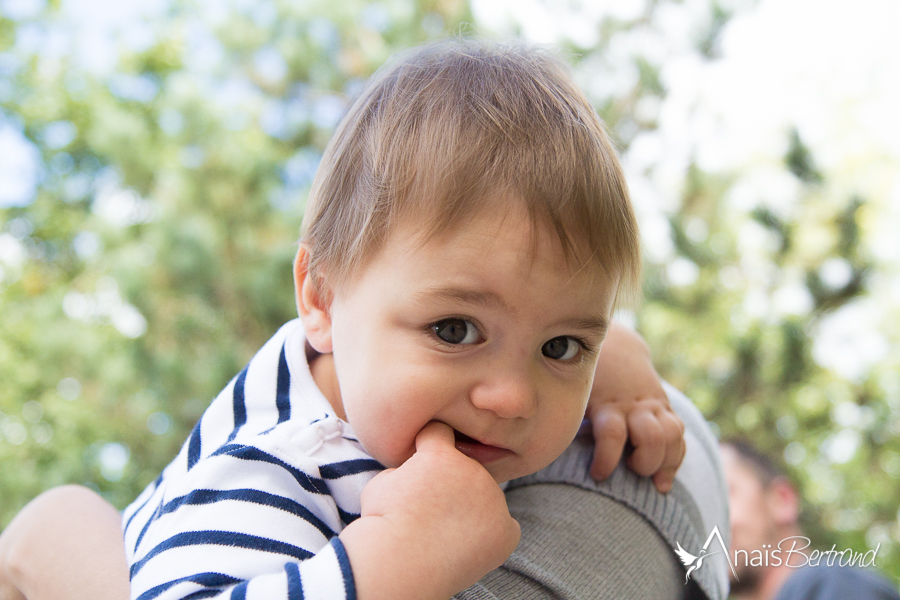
615	539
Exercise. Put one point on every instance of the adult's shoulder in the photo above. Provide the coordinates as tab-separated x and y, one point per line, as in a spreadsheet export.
837	583
626	529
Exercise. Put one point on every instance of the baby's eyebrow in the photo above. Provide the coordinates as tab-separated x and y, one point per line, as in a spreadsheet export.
595	325
484	298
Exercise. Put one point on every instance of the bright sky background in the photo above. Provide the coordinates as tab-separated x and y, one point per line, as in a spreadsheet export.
832	72
811	63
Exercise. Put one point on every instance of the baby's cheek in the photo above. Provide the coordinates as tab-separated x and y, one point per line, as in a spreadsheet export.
388	445
562	431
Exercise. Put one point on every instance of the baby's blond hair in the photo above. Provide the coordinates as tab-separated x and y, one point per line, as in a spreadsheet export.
452	128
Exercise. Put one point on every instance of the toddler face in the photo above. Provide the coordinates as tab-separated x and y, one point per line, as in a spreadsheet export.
479	328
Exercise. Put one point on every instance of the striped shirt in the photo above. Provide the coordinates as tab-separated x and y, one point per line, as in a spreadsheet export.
252	505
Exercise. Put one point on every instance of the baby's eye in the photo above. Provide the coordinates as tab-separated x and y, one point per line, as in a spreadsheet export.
457	331
561	348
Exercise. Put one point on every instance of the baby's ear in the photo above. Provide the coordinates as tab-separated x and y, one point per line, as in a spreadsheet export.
312	304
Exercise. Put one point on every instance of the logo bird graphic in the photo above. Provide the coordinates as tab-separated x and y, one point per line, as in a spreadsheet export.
687	558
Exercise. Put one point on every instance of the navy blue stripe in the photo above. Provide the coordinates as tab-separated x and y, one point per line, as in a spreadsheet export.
204	579
222	538
203	594
295	586
238	403
283	389
310	484
152	518
347	517
349	467
141	507
200	497
194	446
240	591
346	571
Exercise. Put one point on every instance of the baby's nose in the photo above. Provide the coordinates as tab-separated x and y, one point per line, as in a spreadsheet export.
510	394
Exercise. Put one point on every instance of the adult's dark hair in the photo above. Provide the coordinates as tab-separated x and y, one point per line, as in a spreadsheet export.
763	465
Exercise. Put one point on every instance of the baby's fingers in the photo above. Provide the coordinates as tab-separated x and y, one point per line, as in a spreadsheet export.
658	438
435	436
610	434
377	494
673	429
648	438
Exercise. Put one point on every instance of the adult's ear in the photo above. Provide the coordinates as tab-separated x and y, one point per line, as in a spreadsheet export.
784	502
312	306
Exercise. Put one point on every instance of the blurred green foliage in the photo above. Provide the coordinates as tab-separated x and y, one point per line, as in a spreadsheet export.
155	256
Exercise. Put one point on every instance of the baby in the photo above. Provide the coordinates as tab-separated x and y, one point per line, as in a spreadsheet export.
466	239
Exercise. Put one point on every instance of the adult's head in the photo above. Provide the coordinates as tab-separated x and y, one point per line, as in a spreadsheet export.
764	508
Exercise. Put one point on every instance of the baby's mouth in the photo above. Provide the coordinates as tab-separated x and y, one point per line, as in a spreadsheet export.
461	437
474	449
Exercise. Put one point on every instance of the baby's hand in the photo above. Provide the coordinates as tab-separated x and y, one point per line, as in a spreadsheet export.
431	527
628	404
